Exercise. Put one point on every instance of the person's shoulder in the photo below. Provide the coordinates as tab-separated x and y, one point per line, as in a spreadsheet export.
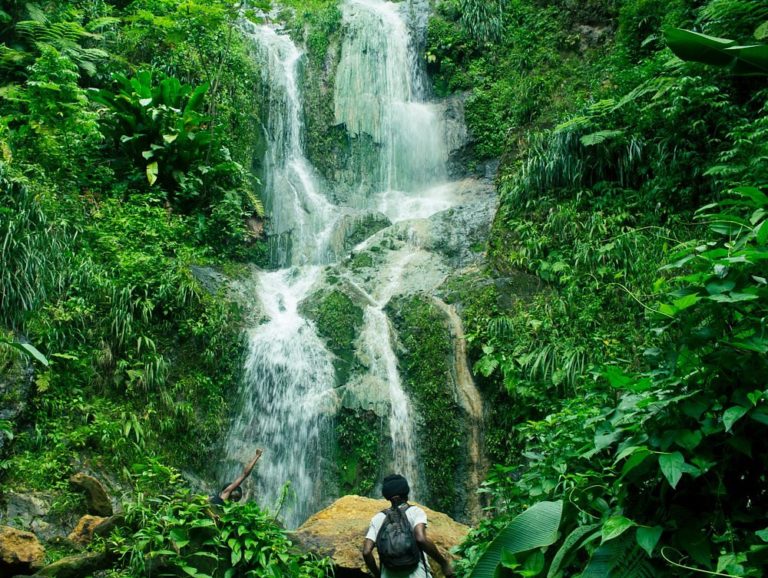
378	516
416	514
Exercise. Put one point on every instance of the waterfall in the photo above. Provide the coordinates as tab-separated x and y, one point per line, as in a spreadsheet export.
301	218
283	399
379	92
286	399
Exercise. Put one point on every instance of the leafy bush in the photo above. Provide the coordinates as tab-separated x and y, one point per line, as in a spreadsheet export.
177	534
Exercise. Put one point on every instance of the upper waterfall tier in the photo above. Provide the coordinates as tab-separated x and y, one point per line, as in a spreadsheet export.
378	92
301	218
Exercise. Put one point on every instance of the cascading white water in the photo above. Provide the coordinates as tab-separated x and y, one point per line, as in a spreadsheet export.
301	218
288	374
377	337
289	377
379	92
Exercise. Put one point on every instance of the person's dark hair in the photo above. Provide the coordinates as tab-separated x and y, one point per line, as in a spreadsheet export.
395	485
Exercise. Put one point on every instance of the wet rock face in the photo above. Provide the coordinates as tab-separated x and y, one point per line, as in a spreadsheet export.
355	228
96	498
25	508
211	280
339	531
20	552
32	511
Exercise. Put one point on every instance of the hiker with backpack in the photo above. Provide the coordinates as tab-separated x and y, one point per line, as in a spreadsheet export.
399	533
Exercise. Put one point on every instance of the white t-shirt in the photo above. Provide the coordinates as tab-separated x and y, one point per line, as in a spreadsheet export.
415	516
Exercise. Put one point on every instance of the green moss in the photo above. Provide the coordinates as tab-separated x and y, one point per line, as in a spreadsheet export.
361	261
338	321
426	366
358	434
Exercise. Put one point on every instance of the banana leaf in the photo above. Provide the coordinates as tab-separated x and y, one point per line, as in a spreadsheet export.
695	47
535	528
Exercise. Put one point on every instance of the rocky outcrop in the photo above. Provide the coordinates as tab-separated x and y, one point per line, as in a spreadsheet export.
20	552
338	531
83	532
472	403
24	509
355	228
76	566
211	280
96	498
459	234
105	528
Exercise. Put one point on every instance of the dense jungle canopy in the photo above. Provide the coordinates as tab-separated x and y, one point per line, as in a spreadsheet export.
615	312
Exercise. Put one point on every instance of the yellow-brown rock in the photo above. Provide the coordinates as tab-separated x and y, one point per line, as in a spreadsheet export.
339	531
83	532
20	552
96	498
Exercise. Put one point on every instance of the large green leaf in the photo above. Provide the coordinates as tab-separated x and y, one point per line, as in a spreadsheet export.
696	47
647	538
534	528
568	544
27	349
620	558
615	526
672	467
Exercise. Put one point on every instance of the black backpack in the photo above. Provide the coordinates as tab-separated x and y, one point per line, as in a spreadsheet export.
397	546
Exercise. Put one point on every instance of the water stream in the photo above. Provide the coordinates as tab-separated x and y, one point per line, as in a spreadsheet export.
286	399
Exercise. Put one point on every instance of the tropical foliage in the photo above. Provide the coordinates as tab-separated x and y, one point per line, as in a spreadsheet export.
628	381
176	534
109	204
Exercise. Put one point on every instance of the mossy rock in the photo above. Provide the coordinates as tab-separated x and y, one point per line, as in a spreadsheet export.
338	322
362	260
359	437
353	229
426	363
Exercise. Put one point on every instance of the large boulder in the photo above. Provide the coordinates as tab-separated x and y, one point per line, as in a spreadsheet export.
83	532
339	530
96	498
20	552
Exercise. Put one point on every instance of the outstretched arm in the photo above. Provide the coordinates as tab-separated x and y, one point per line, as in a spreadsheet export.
420	532
224	495
369	558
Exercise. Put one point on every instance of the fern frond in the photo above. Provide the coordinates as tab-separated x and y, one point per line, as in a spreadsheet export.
501	326
12	58
36	13
256	204
30	29
101	23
